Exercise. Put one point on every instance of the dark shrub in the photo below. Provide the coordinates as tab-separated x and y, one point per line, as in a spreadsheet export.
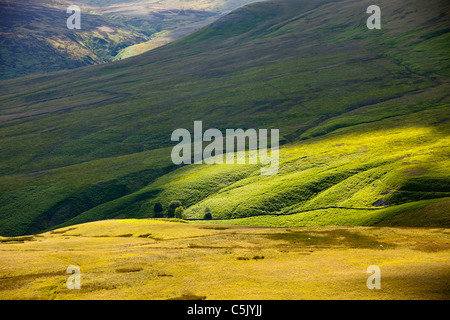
158	208
208	215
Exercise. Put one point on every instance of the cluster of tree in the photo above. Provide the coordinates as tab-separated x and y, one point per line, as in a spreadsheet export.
176	210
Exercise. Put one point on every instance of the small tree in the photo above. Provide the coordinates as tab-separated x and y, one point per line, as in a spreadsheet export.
208	215
179	212
172	206
158	208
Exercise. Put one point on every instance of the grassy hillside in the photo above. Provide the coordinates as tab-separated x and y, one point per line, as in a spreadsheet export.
363	116
356	176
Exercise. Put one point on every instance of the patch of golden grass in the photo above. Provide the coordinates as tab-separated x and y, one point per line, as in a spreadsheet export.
190	261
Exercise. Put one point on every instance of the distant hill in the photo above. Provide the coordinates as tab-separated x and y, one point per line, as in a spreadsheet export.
35	38
363	117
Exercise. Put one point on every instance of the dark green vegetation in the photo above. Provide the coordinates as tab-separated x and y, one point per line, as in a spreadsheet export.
363	116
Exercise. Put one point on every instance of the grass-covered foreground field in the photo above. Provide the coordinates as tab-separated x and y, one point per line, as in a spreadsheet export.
158	260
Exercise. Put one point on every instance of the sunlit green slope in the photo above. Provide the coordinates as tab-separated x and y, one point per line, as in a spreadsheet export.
357	176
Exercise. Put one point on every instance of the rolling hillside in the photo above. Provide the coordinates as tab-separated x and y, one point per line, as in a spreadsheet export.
363	117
